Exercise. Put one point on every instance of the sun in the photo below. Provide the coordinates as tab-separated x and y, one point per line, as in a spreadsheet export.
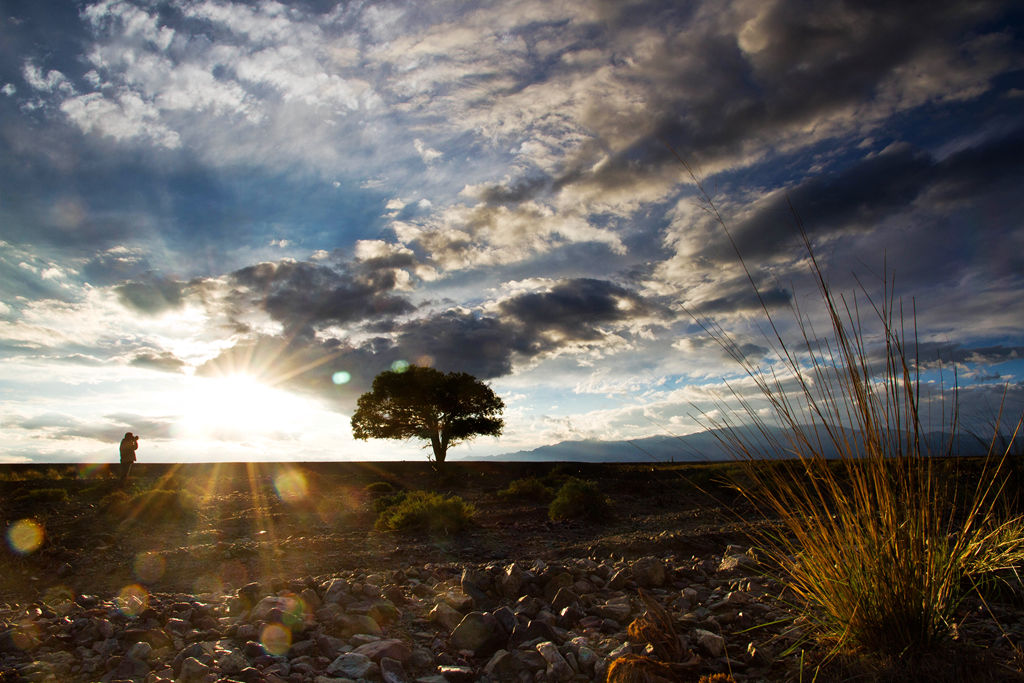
240	407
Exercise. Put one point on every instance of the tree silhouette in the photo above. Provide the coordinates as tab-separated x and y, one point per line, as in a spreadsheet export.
443	409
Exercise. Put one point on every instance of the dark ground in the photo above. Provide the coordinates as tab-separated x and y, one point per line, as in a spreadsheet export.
255	522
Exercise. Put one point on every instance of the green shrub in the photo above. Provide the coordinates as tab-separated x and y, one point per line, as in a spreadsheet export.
579	499
380	488
425	511
530	488
42	496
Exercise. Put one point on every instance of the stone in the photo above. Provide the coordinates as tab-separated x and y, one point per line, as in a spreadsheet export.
335	590
565	597
232	662
352	624
510	582
391	648
392	671
193	670
649	572
711	643
350	665
445	615
503	666
476	632
557	668
140	650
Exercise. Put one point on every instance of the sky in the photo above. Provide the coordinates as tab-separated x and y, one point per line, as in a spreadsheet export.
219	221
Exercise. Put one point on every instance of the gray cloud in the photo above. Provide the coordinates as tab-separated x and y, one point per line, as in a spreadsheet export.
305	295
158	360
152	296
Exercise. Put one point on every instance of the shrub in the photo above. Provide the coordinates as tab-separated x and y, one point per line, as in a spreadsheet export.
42	496
426	511
579	499
870	541
380	488
530	488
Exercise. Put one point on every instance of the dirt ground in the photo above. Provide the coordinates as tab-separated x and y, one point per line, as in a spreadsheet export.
259	522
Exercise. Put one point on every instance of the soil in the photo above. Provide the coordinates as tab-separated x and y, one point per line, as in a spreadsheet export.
258	522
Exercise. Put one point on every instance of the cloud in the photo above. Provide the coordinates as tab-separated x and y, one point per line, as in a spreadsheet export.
158	360
304	295
151	296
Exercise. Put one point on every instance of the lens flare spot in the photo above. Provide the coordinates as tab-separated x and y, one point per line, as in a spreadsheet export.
400	366
291	486
25	536
208	583
341	377
132	600
276	639
26	635
149	567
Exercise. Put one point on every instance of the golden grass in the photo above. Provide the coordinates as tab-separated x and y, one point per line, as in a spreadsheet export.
882	546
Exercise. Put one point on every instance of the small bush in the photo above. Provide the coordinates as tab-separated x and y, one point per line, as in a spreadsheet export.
426	511
42	496
380	488
530	488
579	499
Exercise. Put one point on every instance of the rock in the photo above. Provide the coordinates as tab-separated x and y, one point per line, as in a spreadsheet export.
712	643
391	648
649	572
476	632
350	665
618	580
503	666
232	662
458	600
335	590
564	598
193	670
557	668
351	624
391	671
510	582
140	650
453	674
445	615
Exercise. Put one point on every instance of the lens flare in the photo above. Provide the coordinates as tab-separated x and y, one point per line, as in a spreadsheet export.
400	366
276	639
341	377
149	567
132	600
291	486
26	635
25	536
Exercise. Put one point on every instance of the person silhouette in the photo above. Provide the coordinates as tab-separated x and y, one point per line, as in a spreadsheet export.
129	444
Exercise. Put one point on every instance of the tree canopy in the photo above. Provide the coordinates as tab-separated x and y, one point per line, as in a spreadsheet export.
443	409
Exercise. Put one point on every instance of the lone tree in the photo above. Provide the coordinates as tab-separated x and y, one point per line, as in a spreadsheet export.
422	403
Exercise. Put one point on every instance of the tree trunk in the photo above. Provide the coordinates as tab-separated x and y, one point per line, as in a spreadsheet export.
440	448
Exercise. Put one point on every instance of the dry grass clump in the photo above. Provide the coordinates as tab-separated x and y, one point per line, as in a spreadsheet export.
639	669
879	545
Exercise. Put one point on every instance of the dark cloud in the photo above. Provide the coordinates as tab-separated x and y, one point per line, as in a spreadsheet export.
574	309
485	346
61	426
305	295
784	75
861	196
158	360
151	296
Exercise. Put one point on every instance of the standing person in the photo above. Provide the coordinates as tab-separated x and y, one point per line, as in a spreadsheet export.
129	444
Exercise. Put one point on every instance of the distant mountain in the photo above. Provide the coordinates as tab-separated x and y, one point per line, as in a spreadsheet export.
698	447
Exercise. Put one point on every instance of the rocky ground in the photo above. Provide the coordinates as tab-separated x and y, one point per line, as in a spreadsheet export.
279	576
